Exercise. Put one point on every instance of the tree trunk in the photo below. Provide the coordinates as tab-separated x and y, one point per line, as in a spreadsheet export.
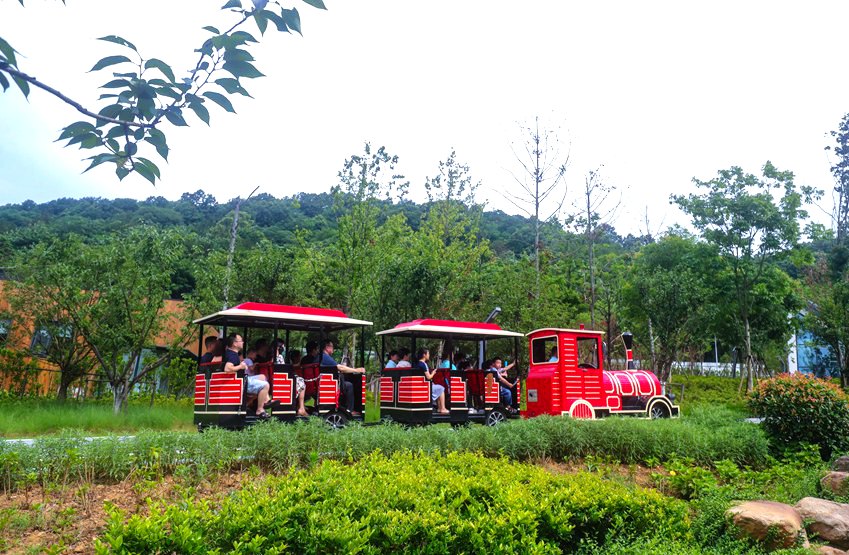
651	346
750	383
120	392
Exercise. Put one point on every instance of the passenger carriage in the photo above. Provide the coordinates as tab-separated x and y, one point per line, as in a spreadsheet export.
471	395
221	398
567	377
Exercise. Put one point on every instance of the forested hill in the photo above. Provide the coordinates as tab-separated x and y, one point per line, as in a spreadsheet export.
263	216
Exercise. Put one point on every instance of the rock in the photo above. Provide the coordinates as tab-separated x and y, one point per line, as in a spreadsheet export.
828	550
775	524
836	482
828	520
841	464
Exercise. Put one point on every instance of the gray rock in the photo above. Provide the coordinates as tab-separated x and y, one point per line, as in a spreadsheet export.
776	524
836	482
841	464
828	550
828	520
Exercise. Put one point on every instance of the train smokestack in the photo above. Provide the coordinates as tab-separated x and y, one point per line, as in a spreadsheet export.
628	339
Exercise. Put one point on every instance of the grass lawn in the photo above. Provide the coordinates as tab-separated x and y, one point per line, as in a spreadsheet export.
47	417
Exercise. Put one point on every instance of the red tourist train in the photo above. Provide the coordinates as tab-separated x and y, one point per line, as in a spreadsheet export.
565	374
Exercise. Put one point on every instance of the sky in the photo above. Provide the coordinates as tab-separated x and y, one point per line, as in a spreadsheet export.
652	93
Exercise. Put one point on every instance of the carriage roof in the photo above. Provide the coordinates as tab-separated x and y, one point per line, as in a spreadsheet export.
564	330
276	316
455	329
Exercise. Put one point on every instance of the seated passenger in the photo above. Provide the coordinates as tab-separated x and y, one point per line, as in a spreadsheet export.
312	354
347	387
404	355
393	360
278	351
506	386
447	361
300	384
210	343
437	392
234	363
553	355
263	348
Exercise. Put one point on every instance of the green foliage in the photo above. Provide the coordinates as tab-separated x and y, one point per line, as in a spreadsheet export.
38	417
425	504
708	392
145	92
801	409
279	446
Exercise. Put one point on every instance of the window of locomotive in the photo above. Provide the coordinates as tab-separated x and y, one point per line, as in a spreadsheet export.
588	352
542	348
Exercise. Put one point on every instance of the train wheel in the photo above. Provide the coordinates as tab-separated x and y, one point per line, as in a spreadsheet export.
658	410
336	420
495	417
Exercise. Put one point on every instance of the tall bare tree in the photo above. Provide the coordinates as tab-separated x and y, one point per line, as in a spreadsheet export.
542	187
596	210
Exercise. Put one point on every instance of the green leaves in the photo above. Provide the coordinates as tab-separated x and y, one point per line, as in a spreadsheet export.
241	69
221	100
109	61
118	40
8	52
292	19
161	66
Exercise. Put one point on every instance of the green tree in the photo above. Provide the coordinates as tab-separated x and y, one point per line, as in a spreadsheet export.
146	93
666	297
738	214
64	347
113	293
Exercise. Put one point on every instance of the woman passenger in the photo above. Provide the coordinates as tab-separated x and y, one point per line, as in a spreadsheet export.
437	391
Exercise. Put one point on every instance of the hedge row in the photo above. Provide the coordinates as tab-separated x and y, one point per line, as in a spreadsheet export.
704	437
405	503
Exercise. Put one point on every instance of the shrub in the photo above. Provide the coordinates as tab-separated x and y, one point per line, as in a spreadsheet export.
406	503
801	409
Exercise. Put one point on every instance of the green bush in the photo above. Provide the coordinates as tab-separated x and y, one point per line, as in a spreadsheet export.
801	409
277	447
406	503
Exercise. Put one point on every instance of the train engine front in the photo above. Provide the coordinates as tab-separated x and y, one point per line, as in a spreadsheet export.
567	377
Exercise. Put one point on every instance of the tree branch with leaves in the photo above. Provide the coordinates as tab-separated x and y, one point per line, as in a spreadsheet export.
146	94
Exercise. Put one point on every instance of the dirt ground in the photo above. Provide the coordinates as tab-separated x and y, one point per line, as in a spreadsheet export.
68	519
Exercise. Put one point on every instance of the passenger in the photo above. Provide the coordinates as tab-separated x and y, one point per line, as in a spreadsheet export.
506	386
233	363
347	387
404	355
393	360
210	343
553	355
312	354
437	392
263	348
447	361
300	385
278	350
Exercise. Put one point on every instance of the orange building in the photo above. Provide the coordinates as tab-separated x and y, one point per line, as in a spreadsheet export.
24	344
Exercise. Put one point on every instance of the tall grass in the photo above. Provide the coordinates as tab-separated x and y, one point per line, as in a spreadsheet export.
703	438
30	418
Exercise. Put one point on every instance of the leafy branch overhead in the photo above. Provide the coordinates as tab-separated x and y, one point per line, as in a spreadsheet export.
143	95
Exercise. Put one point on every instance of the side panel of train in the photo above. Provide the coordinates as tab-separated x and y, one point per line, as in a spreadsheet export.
405	395
221	398
566	377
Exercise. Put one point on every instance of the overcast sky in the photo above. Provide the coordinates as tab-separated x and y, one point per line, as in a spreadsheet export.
656	92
